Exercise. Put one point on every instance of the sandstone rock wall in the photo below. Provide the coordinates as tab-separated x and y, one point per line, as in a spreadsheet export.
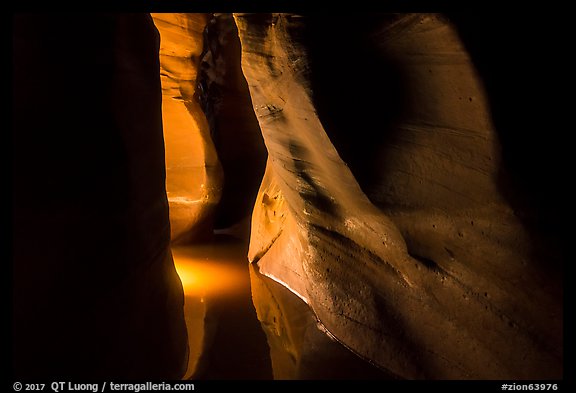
381	206
193	171
394	201
95	292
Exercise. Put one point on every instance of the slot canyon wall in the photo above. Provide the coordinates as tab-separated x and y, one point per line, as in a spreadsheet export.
393	196
386	205
193	171
215	155
95	292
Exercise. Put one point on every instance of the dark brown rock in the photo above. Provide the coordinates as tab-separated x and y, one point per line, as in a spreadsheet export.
95	291
233	124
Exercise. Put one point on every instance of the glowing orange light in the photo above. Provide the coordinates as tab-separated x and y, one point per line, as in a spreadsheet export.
207	271
205	276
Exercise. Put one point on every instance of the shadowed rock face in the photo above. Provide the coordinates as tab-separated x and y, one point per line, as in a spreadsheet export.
95	291
383	206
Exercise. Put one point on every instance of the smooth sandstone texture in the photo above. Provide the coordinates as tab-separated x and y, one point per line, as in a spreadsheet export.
95	292
382	206
193	171
298	348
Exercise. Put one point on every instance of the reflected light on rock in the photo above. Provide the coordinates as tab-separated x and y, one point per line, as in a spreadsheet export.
193	171
206	275
211	274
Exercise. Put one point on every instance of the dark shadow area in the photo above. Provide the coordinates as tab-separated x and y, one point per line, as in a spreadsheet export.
520	64
361	94
309	190
235	131
94	294
357	90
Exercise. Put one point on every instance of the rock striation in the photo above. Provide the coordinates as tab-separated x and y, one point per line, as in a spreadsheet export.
382	207
193	171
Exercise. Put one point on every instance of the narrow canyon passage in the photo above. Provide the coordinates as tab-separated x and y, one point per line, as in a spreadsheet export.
245	326
285	196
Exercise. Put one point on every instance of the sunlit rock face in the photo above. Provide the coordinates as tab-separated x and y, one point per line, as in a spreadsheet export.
383	204
193	172
95	292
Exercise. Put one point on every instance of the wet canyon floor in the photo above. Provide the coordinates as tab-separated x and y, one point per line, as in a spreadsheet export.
245	326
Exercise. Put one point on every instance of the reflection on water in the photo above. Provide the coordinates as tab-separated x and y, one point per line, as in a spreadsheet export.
242	325
210	270
225	337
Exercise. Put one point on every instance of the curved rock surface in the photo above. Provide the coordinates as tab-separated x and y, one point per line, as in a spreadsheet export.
193	171
381	206
96	295
395	202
